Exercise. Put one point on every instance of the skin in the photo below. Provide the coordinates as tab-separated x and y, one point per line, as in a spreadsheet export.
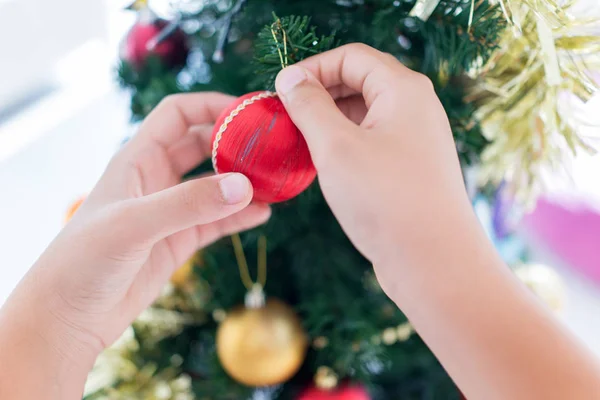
387	164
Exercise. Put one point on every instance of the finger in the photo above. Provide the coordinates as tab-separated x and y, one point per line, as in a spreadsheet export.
353	107
357	66
183	244
250	217
312	109
195	202
340	91
172	118
180	246
192	149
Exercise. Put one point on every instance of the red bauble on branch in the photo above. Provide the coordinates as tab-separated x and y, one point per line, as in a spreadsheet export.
349	392
256	137
143	40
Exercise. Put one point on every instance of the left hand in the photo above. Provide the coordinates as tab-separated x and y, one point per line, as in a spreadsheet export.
136	227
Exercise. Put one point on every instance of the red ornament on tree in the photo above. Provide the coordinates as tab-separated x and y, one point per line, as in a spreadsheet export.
349	392
255	136
152	35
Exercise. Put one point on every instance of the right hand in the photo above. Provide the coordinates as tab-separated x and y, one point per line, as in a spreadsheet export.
383	149
388	167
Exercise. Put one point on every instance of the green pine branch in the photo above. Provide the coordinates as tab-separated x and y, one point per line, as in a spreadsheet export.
286	41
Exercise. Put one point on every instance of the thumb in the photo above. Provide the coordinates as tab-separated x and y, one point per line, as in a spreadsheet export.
191	203
311	108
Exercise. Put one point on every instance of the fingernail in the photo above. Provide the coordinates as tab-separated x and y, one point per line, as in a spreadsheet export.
289	78
234	188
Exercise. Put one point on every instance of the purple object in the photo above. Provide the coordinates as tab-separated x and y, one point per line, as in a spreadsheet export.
571	232
501	213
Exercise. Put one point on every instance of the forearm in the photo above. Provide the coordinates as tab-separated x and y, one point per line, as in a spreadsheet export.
493	337
40	357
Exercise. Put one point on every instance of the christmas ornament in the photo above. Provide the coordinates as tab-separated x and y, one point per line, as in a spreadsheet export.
261	343
261	346
349	392
73	208
256	137
151	35
545	283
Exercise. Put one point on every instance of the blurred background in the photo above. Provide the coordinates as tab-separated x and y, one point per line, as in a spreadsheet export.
62	117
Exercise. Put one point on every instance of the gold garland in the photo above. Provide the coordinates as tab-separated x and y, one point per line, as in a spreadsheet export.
543	58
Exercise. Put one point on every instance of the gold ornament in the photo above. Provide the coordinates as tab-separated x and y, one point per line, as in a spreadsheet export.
262	346
262	343
326	378
545	283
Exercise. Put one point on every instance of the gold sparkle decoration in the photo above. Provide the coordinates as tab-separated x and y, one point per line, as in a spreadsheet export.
219	315
320	342
156	324
116	376
326	378
404	331
523	92
389	336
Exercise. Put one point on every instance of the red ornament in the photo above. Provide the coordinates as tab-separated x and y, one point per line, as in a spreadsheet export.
349	392
141	41
256	137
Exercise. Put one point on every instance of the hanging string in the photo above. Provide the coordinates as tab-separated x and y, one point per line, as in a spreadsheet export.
471	14
219	53
283	58
261	278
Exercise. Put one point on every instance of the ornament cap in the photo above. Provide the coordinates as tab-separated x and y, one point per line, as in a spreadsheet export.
255	298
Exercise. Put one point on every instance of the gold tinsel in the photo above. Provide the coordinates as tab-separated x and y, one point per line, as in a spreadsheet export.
117	376
544	58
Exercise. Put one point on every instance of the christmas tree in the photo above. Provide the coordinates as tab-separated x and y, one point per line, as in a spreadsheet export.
498	67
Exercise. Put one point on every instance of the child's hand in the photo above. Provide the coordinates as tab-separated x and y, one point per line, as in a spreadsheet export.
388	168
137	226
384	153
